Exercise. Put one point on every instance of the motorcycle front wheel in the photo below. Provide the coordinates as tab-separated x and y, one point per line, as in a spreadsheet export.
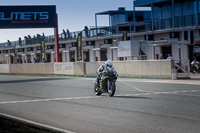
96	90
111	89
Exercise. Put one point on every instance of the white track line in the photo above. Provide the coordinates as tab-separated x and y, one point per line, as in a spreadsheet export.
132	86
163	93
50	99
89	97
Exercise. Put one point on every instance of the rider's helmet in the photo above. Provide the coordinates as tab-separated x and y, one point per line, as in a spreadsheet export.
109	64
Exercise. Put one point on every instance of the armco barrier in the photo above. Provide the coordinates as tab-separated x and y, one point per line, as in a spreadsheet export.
144	68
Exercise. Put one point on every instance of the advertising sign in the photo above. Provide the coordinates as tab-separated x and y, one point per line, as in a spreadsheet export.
128	48
27	16
174	34
15	55
124	36
79	47
43	49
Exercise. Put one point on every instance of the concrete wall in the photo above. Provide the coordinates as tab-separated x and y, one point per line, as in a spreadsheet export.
69	68
36	68
137	68
4	68
64	68
150	68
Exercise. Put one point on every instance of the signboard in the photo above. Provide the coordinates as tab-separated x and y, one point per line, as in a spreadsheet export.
62	46
124	36
12	50
15	57
90	43
128	48
74	44
79	47
5	51
21	50
43	49
174	35
107	41
30	49
28	16
149	37
50	47
38	47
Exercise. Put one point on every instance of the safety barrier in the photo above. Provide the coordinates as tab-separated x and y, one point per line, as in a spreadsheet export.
137	68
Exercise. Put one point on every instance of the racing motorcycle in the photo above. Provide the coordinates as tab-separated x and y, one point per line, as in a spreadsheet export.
195	66
107	82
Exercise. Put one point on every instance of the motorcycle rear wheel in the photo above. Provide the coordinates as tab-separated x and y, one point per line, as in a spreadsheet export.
111	90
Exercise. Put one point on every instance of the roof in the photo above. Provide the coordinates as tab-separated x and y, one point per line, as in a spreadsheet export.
131	24
111	12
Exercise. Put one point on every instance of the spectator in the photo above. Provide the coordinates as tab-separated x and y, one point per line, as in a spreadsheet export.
169	57
68	33
9	44
64	33
20	41
86	30
161	56
43	60
29	60
35	60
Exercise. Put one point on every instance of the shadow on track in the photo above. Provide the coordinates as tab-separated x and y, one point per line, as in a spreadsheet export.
32	80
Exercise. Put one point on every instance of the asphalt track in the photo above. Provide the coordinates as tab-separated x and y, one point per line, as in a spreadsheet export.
69	104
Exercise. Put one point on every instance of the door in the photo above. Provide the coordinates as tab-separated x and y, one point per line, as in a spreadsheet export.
48	58
86	56
61	59
103	53
166	51
72	56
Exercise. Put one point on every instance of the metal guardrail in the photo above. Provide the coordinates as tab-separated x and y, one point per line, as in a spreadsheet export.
182	66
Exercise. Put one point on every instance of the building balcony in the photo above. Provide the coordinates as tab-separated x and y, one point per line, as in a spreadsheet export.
148	2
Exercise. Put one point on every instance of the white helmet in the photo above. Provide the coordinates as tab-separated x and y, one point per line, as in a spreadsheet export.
109	63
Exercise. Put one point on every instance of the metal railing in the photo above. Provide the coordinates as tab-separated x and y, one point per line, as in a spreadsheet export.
182	66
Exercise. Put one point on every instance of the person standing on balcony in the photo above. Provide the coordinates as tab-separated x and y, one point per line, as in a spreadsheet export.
169	57
68	33
86	30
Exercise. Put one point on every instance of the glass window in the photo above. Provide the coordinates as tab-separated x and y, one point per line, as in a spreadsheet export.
103	54
157	13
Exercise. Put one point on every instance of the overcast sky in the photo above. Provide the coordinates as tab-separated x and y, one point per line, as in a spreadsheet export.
72	15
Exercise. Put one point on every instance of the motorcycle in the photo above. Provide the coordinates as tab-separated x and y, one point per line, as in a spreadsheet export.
195	66
107	83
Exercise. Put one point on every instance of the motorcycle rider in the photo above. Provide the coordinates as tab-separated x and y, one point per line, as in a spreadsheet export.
195	65
108	64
